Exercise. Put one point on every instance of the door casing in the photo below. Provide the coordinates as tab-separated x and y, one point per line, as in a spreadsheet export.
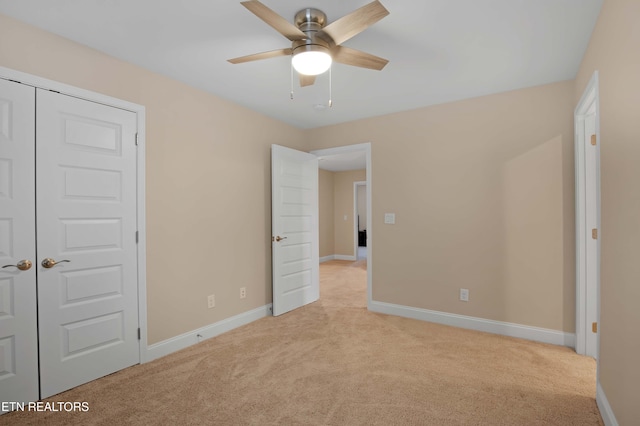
139	110
584	286
356	213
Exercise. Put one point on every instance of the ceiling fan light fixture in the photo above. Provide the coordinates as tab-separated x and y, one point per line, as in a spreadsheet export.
311	59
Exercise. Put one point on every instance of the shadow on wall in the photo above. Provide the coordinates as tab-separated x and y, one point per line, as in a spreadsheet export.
533	257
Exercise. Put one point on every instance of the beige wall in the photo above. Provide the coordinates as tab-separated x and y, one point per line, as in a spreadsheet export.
343	206
336	202
495	173
614	51
483	195
326	213
197	213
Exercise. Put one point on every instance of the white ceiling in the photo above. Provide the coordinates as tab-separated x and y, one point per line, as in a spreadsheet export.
439	50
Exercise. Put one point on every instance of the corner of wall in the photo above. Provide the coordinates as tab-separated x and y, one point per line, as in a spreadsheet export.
605	409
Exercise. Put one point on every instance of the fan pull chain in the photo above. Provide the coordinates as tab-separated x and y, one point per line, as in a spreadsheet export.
330	79
291	95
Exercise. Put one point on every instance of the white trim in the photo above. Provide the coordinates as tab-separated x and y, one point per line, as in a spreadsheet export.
190	338
537	334
142	236
344	257
366	147
338	257
139	110
43	83
355	215
606	412
590	97
369	229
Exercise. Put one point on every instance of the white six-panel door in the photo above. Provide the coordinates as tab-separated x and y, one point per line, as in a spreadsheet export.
67	176
294	215
86	222
18	328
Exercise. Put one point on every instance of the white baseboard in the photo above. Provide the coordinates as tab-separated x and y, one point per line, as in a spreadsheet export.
185	340
543	335
344	257
337	257
605	409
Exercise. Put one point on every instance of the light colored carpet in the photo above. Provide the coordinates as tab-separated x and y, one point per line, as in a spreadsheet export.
335	363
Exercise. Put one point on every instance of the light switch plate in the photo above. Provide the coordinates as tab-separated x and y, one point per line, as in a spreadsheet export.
390	218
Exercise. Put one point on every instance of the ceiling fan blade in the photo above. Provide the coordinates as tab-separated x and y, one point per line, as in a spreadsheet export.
263	55
357	58
276	21
355	22
307	80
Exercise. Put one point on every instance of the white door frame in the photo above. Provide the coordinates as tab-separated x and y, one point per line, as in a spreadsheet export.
589	100
366	148
139	110
355	216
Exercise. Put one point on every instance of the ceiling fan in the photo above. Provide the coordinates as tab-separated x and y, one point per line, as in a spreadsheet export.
314	43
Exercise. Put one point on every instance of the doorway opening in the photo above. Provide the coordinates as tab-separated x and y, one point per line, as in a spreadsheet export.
347	159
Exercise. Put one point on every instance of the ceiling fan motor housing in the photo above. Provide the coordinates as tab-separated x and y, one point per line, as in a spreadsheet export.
310	21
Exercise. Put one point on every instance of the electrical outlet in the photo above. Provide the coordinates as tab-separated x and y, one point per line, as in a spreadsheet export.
243	292
464	294
211	301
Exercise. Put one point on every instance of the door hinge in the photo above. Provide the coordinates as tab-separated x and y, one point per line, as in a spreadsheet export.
593	140
137	236
594	233
136	139
139	338
594	327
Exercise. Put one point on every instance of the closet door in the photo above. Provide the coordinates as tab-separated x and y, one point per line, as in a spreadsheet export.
18	328
86	225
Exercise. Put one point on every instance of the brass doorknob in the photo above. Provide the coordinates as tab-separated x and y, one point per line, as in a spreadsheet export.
23	265
50	263
279	238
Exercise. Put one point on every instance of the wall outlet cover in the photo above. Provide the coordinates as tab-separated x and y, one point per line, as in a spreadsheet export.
390	218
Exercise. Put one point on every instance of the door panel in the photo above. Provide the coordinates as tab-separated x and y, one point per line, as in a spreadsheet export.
18	328
86	214
294	180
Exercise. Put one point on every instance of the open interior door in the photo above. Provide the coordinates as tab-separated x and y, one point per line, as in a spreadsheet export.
294	227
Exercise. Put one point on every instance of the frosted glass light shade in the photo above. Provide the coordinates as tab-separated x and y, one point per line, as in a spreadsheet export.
311	62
